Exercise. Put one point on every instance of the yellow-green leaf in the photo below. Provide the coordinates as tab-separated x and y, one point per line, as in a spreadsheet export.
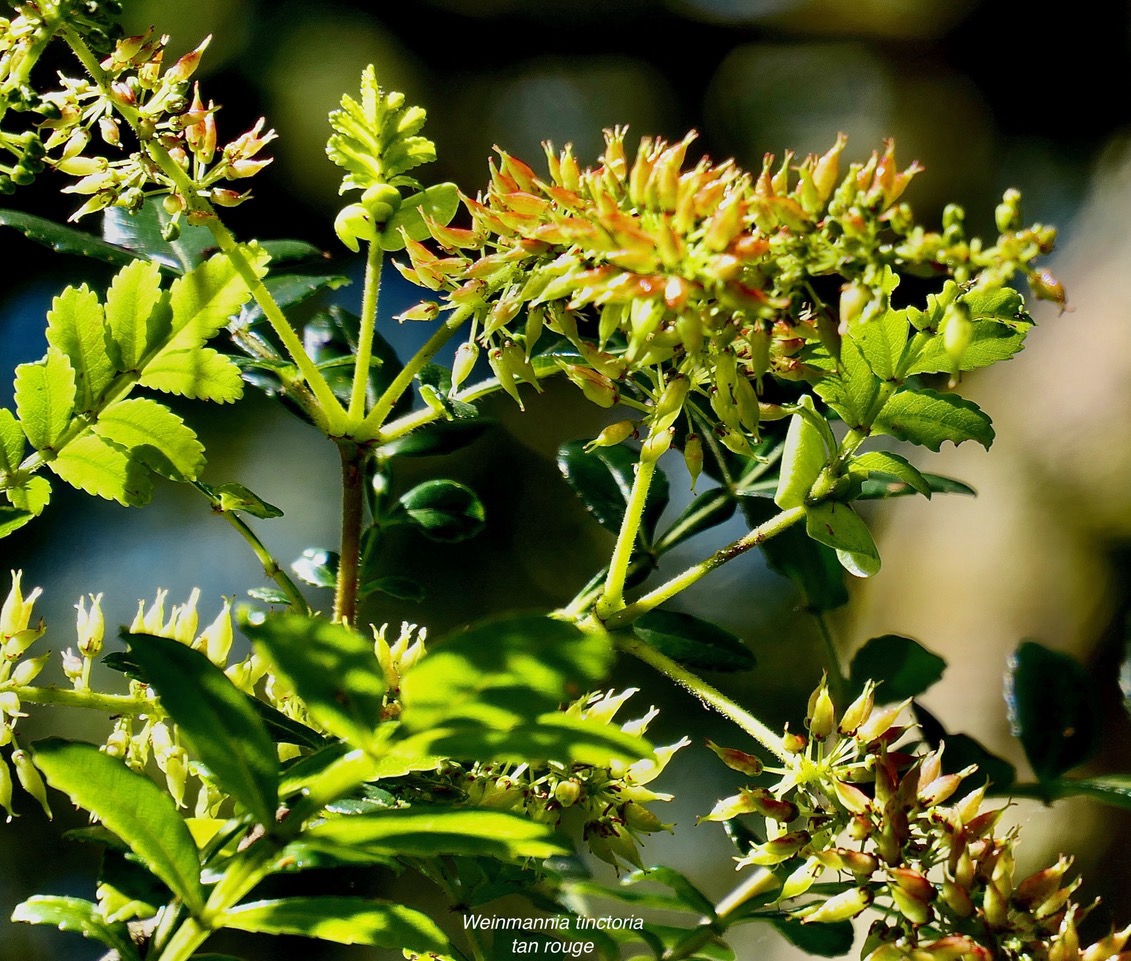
45	398
201	374
155	436
134	324
203	299
11	441
76	326
98	467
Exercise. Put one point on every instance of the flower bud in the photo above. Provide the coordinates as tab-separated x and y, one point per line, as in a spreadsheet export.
10	704
822	715
216	638
612	435
793	743
91	626
30	779
858	711
957	898
693	457
916	911
597	388
801	880
1007	216
6	788
16	612
840	907
72	666
567	793
353	224
880	723
655	446
851	798
464	363
186	66
1046	287
27	671
737	760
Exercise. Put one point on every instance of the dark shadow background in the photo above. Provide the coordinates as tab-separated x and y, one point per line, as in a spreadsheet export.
986	95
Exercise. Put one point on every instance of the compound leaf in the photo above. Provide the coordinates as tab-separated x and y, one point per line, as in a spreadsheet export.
45	398
153	435
76	327
103	469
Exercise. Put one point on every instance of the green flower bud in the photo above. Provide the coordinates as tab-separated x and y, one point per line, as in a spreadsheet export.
613	435
91	626
16	612
567	793
354	224
6	788
10	704
27	671
382	201
822	715
693	457
655	446
840	907
30	779
801	880
464	363
737	760
216	638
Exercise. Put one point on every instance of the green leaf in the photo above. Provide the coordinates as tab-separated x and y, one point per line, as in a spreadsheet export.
204	299
503	671
693	642
131	806
439	202
333	669
32	495
283	253
65	240
824	940
440	437
603	481
421	831
444	510
135	325
12	519
282	729
394	585
1053	709
838	526
11	441
81	917
990	343
689	896
317	567
880	486
221	728
1113	789
154	436
236	497
45	398
708	510
851	391
905	667
140	234
343	920
98	467
892	465
291	290
882	341
812	567
554	736
925	417
76	327
199	374
802	461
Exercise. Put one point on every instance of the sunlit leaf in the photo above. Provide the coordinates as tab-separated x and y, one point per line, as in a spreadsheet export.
80	917
76	327
98	467
45	398
153	435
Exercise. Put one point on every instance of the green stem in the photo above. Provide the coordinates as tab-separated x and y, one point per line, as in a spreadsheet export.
115	704
270	566
370	427
369	297
762	882
612	599
665	592
710	696
353	504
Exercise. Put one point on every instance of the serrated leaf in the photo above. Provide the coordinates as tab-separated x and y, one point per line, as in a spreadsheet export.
32	495
812	567
803	459
12	519
838	526
131	806
882	341
503	671
851	390
153	435
76	327
439	202
1053	709
879	486
990	343
317	567
444	510
688	895
332	669
708	510
893	465
1112	789
199	374
139	233
100	468
421	831
1003	304
904	666
603	480
135	325
11	441
236	497
926	417
45	398
80	917
204	299
440	437
693	642
221	728
284	253
343	920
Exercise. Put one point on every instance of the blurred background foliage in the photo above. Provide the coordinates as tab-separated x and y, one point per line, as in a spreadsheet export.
985	94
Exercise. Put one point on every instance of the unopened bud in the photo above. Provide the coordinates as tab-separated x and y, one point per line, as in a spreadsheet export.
567	793
1007	216
822	715
655	446
777	850
6	788
858	711
737	760
30	779
91	626
840	907
27	671
464	363
693	457
216	638
353	225
16	612
612	435
957	898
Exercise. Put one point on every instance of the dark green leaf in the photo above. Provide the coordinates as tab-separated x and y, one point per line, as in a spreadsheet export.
689	895
878	487
395	585
317	567
444	510
823	940
838	526
343	920
904	666
140	234
221	727
283	729
708	510
1112	789
803	459
332	668
286	252
292	290
888	464
421	831
12	519
81	917
65	240
131	806
693	642
236	497
441	437
503	671
926	417
135	889
603	480
1053	709
331	340
962	751
812	567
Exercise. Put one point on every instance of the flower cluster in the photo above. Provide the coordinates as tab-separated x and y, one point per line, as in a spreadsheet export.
850	803
607	802
694	286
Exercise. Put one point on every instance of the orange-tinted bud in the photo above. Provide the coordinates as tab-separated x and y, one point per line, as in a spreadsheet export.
737	760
